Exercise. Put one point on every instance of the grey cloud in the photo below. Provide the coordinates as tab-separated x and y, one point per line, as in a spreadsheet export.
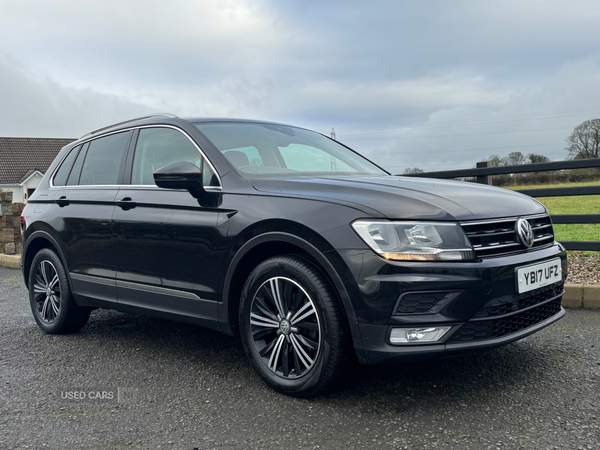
34	107
372	70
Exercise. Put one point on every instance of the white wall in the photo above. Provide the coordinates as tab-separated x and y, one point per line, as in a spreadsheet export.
16	190
20	191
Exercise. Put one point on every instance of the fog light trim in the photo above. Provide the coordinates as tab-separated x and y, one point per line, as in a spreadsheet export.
416	335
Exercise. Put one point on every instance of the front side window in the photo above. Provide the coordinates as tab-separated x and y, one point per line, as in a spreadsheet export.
103	160
160	147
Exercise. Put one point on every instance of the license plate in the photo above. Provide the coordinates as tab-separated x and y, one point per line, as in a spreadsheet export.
538	275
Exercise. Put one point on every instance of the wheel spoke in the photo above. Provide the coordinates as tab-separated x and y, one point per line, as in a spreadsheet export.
267	348
277	296
275	354
55	304
43	269
44	311
261	334
54	281
39	289
261	321
297	366
306	360
262	306
285	366
307	342
302	313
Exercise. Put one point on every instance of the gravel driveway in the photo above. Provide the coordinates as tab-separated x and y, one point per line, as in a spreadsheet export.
134	382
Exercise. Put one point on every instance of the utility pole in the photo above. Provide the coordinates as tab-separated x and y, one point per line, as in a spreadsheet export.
333	161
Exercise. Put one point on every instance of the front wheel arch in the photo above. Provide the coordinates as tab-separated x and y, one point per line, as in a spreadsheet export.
251	254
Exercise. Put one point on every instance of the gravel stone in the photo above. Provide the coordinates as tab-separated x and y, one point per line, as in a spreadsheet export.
177	386
584	268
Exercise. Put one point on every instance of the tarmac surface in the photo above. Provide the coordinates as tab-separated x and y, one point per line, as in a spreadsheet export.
128	381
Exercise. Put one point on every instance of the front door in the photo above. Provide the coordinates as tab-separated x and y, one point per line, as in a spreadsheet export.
166	241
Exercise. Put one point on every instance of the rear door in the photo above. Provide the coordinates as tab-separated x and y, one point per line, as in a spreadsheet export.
82	215
166	241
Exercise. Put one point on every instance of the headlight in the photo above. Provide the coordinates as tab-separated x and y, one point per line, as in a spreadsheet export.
415	241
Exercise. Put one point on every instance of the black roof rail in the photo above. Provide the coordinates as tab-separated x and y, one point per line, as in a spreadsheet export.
172	116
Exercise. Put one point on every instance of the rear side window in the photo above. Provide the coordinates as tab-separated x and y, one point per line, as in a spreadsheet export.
159	147
103	160
60	179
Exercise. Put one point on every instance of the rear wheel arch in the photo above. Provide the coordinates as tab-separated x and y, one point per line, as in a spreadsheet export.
270	244
36	242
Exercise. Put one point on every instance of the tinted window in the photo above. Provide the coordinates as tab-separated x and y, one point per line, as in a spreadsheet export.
60	179
159	147
260	149
76	171
246	156
305	158
103	160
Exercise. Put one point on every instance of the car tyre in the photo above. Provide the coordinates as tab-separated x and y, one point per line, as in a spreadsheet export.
50	297
292	326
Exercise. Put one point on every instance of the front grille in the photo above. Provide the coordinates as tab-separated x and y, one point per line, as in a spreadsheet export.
496	237
511	303
494	328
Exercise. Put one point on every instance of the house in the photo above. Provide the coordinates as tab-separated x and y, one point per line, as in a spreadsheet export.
24	161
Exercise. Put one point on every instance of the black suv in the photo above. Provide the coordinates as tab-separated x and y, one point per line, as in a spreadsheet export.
309	252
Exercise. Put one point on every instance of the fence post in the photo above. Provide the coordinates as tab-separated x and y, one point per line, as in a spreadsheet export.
482	179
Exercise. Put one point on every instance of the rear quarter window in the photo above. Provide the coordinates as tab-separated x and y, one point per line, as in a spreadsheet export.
62	174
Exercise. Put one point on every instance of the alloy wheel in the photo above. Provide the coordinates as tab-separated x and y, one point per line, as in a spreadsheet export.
47	293
285	327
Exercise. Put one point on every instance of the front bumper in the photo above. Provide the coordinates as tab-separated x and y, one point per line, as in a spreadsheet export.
378	350
478	299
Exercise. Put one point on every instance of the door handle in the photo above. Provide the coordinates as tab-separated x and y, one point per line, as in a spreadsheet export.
62	201
126	204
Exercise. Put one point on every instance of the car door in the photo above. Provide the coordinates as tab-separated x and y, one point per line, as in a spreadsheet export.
166	240
87	183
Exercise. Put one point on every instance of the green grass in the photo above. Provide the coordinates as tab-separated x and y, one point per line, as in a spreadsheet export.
585	204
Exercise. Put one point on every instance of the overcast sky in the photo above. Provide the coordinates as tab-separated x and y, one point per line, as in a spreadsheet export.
433	84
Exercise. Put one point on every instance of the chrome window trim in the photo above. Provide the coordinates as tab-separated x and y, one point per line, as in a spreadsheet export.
93	138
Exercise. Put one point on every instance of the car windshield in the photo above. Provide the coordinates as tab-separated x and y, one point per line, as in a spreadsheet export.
270	150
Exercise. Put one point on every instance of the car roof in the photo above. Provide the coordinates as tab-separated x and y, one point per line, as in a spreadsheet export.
159	117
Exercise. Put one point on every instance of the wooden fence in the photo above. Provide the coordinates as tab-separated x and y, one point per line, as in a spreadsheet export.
482	172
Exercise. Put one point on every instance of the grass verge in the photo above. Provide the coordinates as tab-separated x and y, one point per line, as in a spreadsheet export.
585	204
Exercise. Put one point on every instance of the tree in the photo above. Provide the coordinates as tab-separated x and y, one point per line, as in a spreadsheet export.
408	170
534	158
584	141
514	159
494	161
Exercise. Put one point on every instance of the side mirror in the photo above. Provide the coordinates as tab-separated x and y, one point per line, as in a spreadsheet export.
181	175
